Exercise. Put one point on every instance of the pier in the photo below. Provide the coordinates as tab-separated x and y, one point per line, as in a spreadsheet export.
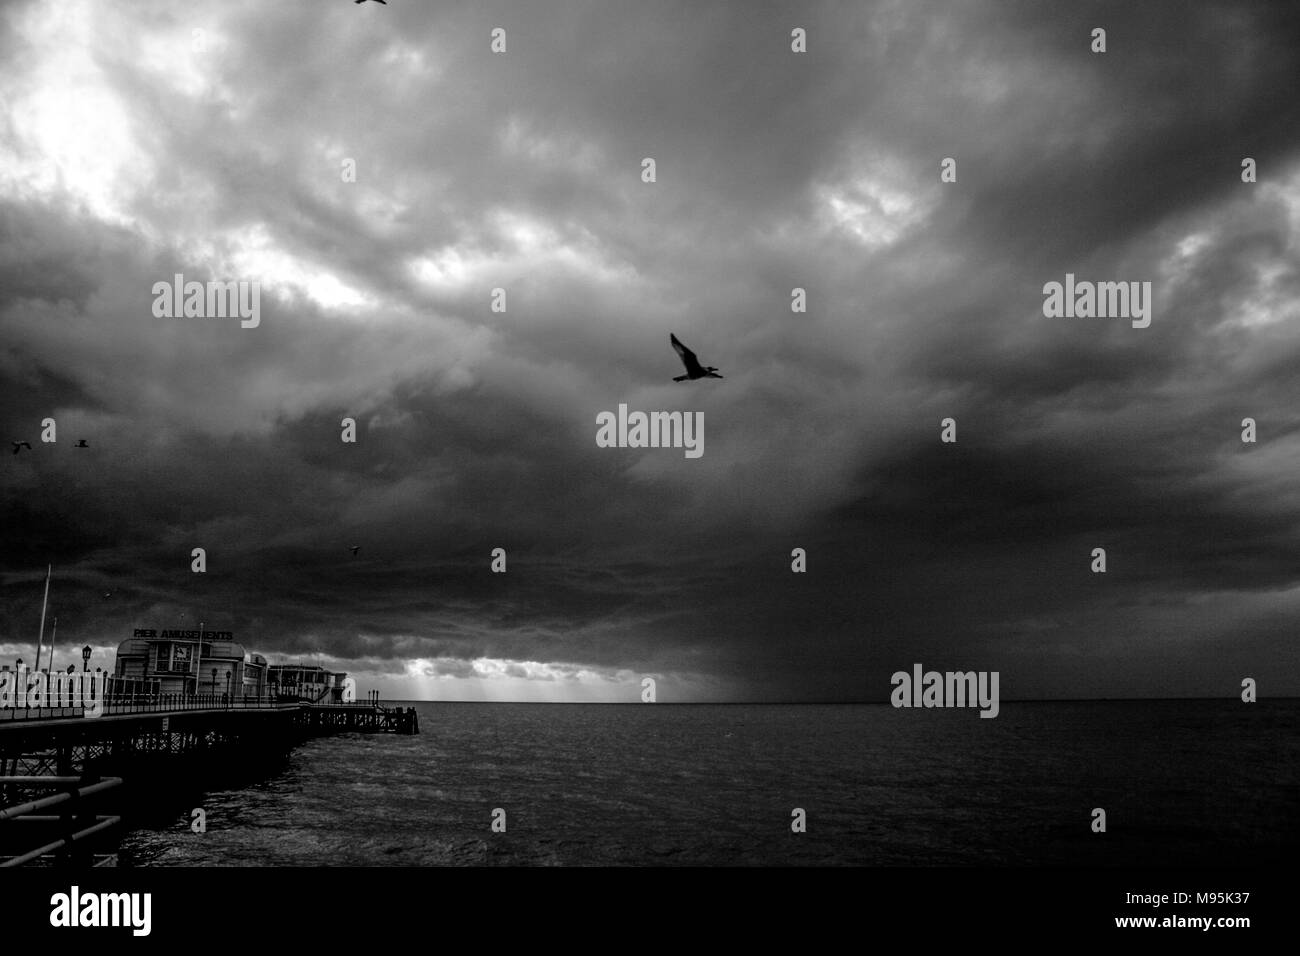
144	739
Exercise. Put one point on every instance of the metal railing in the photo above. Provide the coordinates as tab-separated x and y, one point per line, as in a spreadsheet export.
126	704
73	821
118	704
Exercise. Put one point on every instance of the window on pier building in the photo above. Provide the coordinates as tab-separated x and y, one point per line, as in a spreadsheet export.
174	657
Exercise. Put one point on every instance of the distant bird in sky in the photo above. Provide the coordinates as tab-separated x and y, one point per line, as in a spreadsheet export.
693	367
20	445
354	549
81	443
384	2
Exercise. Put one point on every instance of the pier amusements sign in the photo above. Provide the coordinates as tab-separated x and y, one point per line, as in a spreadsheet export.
179	635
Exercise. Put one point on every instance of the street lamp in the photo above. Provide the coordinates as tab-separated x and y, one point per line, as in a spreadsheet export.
214	680
85	658
227	686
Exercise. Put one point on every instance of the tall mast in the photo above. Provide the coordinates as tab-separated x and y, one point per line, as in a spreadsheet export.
40	645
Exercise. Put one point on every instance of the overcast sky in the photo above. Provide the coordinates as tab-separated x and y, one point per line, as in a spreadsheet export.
132	148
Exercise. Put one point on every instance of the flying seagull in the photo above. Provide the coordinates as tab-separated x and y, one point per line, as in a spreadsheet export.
693	367
354	549
81	443
20	445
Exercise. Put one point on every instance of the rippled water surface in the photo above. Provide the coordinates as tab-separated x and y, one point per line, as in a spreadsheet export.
1182	782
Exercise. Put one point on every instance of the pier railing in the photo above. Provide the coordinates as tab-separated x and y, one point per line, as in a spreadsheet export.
118	705
64	833
122	704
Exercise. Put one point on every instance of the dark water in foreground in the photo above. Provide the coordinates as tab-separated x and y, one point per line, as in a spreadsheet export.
1182	783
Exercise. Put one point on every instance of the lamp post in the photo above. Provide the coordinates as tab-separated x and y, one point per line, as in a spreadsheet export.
85	658
198	659
214	681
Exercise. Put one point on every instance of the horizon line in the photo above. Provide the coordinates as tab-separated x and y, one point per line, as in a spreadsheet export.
828	703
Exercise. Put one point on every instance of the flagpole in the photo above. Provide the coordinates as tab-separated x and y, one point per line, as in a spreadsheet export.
40	645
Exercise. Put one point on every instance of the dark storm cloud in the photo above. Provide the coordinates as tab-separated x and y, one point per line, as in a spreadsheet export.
129	157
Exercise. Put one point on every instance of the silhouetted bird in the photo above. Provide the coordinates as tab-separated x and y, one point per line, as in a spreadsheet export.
693	367
384	2
354	549
21	444
81	443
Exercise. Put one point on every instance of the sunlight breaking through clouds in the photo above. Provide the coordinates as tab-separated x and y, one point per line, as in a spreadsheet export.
74	136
